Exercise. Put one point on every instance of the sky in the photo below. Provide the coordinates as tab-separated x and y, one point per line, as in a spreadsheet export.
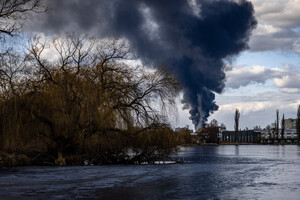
266	77
257	80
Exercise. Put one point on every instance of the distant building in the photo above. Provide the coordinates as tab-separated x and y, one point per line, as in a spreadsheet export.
268	136
246	136
290	123
290	134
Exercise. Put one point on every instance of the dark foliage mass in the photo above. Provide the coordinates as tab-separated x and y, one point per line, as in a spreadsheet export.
192	37
86	104
209	134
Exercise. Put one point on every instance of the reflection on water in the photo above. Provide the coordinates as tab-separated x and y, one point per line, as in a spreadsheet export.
211	172
237	152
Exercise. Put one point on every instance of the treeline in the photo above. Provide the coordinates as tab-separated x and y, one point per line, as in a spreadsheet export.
82	101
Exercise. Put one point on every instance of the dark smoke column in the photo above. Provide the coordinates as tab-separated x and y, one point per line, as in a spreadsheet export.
192	37
192	42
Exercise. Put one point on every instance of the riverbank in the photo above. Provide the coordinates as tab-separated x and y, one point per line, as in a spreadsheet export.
17	160
14	160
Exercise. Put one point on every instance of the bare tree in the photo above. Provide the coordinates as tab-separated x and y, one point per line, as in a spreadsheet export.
14	12
236	124
209	133
282	128
269	133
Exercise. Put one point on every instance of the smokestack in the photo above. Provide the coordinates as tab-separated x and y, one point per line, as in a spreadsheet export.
192	37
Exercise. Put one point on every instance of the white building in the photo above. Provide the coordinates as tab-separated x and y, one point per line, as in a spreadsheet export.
290	123
290	134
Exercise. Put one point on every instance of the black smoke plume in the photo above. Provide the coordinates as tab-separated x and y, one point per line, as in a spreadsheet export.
193	37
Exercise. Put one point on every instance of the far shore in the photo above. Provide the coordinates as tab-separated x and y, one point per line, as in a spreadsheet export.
18	160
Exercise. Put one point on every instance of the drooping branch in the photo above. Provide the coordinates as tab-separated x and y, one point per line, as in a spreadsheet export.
14	12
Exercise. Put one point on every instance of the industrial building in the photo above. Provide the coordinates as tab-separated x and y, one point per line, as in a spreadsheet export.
246	136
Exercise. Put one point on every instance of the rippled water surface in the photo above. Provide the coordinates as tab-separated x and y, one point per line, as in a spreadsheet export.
210	172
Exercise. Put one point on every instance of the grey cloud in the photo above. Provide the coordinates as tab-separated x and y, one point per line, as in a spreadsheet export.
287	80
282	15
280	40
243	76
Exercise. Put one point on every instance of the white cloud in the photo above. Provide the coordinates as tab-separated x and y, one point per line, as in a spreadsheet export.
266	29
246	107
290	90
288	81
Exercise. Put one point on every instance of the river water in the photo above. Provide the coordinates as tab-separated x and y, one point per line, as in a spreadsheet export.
209	172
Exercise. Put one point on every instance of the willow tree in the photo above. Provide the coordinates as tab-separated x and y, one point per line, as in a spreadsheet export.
88	99
13	14
11	88
87	96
